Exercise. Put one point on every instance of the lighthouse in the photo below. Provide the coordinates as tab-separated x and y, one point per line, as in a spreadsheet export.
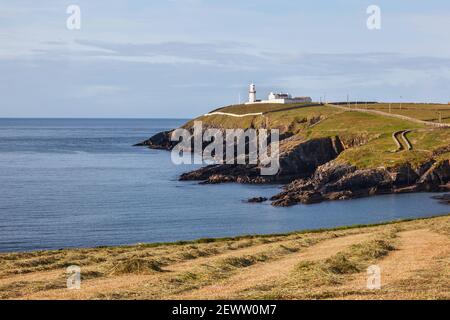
252	93
278	98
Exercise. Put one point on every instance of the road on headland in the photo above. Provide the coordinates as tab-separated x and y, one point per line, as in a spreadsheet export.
212	113
382	113
233	114
403	143
398	116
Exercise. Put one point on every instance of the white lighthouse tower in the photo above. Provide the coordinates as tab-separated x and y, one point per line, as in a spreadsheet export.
252	93
278	98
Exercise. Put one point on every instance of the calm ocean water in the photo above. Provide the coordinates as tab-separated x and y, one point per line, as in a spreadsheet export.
80	183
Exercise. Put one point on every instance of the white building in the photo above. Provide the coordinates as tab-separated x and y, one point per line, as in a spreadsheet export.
274	97
252	93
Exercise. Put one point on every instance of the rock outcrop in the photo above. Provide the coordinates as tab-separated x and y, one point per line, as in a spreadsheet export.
298	159
257	199
160	140
333	181
436	176
313	174
445	199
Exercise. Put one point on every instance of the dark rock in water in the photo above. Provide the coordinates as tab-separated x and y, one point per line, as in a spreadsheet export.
257	199
443	198
213	174
160	140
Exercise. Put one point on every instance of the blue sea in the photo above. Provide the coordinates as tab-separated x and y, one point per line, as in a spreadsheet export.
81	183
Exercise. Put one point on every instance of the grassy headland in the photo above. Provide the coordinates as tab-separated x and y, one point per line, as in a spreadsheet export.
336	151
374	132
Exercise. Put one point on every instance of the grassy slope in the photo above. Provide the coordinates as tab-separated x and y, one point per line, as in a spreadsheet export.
413	255
376	129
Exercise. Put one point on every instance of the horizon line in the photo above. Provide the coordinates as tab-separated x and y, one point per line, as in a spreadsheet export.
96	118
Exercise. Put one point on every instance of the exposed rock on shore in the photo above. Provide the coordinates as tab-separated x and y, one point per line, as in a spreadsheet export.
443	199
160	140
227	173
257	199
298	159
334	181
437	175
314	174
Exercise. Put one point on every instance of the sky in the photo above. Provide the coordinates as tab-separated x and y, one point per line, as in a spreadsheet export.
182	58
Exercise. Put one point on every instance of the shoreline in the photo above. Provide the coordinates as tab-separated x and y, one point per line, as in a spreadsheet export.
230	238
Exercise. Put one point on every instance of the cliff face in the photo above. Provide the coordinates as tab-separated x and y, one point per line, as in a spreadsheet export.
302	159
314	174
438	174
298	159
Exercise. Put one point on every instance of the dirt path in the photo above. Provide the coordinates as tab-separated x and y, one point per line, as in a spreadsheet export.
397	141
232	114
401	140
268	272
391	115
405	139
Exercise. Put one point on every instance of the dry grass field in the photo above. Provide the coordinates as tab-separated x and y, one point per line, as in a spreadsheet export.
422	111
414	257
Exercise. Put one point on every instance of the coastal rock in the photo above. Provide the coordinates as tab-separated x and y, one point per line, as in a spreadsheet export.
257	199
335	181
301	158
360	180
160	140
313	174
405	174
443	199
298	159
217	173
435	177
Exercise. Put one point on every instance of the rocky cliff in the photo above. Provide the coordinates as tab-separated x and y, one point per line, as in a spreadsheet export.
335	180
298	159
314	171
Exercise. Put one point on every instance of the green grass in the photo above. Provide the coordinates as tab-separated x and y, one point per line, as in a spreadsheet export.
367	137
284	117
260	107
